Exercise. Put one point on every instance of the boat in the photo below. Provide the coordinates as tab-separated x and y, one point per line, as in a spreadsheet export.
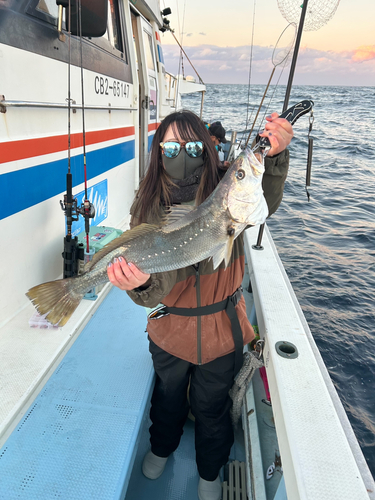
74	400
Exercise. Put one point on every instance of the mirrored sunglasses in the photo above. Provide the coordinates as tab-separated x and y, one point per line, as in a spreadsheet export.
172	149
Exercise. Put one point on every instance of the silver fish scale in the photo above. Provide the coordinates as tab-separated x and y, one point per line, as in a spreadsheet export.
180	248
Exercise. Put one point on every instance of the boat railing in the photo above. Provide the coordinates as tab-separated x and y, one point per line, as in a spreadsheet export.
320	454
35	104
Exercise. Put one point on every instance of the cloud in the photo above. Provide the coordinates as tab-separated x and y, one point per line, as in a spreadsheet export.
203	34
364	53
189	34
314	67
206	52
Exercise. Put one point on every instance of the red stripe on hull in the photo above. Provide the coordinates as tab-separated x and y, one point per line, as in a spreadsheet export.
29	148
153	126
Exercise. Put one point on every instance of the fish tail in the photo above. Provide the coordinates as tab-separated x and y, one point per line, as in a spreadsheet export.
57	298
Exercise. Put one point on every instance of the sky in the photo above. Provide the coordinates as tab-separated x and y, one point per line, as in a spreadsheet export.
218	40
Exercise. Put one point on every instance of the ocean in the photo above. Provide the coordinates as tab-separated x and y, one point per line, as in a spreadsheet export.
327	245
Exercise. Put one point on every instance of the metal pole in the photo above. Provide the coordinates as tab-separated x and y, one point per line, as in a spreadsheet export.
202	102
187	57
258	245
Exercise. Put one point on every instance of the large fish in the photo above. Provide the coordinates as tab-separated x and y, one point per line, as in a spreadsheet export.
189	235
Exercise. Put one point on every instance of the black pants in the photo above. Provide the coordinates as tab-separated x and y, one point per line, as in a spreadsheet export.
210	405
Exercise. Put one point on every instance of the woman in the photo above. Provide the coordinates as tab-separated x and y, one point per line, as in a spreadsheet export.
184	167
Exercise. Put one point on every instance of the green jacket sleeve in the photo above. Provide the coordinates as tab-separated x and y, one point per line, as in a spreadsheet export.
154	291
276	171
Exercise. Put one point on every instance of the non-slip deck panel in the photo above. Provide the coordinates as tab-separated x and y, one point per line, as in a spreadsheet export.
78	438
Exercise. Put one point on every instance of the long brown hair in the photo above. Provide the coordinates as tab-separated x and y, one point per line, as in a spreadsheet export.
155	187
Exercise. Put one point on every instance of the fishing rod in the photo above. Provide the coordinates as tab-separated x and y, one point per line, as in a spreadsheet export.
69	205
279	56
295	55
87	209
72	250
263	144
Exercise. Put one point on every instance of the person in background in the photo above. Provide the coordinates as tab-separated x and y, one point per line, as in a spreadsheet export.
184	166
217	133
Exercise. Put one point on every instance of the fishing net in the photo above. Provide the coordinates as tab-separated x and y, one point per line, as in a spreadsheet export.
318	12
284	45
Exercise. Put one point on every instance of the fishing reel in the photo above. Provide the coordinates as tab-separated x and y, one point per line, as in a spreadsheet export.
69	207
72	211
73	252
87	209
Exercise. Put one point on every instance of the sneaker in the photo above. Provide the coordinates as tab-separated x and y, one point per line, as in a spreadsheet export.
153	466
209	490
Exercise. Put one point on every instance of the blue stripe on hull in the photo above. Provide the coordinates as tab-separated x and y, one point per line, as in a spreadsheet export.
25	188
150	139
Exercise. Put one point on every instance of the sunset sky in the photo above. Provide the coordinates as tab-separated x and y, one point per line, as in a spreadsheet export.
217	39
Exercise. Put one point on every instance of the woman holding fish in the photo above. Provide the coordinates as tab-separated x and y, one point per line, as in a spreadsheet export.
198	325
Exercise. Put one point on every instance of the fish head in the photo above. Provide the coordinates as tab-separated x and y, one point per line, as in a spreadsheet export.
245	200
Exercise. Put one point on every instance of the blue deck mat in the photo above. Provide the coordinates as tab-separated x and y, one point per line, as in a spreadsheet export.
180	479
78	440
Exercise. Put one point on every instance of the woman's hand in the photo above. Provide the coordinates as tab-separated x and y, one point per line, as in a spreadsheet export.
279	132
125	276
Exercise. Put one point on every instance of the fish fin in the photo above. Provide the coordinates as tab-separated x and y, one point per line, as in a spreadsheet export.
219	256
223	253
174	214
228	249
120	241
56	299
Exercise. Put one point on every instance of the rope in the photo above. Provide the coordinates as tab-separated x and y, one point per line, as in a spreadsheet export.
251	361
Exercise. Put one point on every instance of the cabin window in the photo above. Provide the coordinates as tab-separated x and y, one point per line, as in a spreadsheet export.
114	26
113	33
112	40
48	7
148	47
47	10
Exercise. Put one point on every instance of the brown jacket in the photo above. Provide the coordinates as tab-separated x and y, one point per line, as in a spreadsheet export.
200	339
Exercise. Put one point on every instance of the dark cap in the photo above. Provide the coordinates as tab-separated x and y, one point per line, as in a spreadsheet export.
218	131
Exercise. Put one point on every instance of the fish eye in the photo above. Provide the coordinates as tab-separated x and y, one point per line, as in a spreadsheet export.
240	174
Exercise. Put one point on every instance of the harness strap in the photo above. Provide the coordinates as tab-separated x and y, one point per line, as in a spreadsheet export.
229	306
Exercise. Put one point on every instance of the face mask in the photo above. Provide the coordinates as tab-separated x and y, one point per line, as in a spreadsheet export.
182	166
